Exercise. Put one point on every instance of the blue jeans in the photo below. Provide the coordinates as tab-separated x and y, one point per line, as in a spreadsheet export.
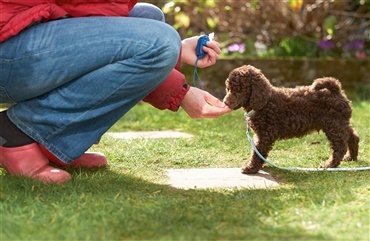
72	79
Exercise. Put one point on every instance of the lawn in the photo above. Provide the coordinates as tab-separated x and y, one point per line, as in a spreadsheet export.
129	200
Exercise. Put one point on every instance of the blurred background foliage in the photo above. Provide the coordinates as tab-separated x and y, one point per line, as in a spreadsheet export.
277	28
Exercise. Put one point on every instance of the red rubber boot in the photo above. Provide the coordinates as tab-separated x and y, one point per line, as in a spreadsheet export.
29	161
87	160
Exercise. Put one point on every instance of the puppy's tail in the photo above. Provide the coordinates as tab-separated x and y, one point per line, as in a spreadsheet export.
329	83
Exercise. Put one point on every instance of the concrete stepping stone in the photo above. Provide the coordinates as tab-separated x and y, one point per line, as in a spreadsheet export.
218	178
149	134
203	177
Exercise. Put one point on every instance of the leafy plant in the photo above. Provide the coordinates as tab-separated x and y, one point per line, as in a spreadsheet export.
277	23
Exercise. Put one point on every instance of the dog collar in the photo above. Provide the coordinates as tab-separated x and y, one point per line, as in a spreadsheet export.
249	114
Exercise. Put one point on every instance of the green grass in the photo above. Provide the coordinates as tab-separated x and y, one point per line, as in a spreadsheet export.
129	200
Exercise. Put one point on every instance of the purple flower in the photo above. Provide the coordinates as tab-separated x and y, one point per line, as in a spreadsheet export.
355	45
236	48
326	44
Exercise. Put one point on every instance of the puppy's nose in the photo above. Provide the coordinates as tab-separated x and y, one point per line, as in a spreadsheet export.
226	102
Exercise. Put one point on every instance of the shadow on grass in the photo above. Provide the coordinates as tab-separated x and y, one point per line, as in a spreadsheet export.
107	205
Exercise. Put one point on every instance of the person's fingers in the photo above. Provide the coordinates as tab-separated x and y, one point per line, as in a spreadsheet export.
215	46
214	101
214	111
209	59
198	103
212	54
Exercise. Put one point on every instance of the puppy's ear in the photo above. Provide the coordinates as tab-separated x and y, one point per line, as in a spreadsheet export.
240	77
261	89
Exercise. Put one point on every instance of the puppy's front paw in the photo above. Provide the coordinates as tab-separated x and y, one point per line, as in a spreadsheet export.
249	170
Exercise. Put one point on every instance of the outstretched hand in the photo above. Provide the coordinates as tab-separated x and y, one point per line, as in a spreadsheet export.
188	53
198	103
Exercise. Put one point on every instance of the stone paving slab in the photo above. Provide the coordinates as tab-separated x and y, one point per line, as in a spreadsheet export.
203	177
218	178
149	134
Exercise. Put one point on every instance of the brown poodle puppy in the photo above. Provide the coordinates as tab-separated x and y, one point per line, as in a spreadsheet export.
282	113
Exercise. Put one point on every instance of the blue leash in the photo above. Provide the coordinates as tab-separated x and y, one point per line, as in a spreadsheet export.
301	168
196	75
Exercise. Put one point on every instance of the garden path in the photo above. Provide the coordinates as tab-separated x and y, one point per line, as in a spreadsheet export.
203	177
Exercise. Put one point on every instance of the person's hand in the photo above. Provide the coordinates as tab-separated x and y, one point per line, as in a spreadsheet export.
189	56
198	103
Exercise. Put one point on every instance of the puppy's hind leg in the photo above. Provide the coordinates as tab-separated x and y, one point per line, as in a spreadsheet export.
353	141
255	163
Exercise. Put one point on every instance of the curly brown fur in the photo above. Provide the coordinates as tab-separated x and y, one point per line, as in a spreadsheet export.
282	113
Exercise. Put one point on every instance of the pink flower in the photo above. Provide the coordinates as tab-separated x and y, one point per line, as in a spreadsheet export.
236	48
